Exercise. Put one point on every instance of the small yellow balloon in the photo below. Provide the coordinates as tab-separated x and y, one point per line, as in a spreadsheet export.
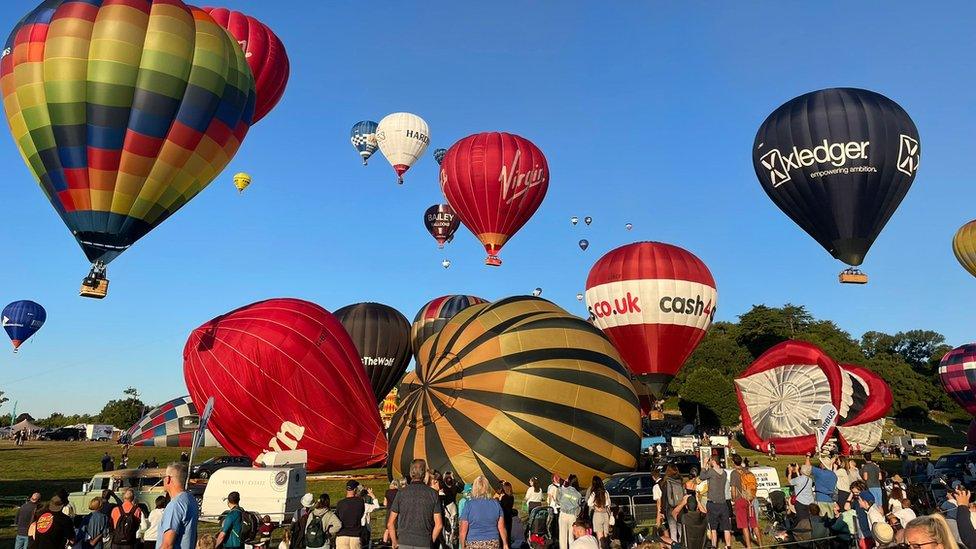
241	181
964	246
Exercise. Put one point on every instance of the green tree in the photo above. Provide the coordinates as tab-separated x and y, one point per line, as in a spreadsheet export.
837	343
763	327
921	349
709	393
719	350
123	412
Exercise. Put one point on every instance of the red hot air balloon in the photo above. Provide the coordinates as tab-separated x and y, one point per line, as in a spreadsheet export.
495	181
655	302
957	372
265	55
441	223
285	375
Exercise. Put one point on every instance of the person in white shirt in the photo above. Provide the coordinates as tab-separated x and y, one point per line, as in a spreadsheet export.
582	539
552	494
906	514
534	494
151	524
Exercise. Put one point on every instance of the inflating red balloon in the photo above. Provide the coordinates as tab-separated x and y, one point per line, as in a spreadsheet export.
285	375
655	302
957	372
495	181
265	55
874	391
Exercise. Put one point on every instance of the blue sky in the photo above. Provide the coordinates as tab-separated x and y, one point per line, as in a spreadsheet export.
646	112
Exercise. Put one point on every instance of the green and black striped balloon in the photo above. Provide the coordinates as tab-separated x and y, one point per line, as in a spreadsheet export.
517	389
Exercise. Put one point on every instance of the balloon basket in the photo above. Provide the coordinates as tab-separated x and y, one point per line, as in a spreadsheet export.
493	261
95	285
853	276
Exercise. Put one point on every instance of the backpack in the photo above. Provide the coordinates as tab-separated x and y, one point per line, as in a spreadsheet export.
126	530
315	534
250	526
674	492
749	484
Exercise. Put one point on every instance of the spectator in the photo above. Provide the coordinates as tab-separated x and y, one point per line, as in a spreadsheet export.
350	511
184	457
285	542
824	486
906	465
179	524
883	534
818	527
802	485
371	504
772	451
126	519
152	522
667	495
53	529
534	494
570	502
206	541
482	520
322	525
717	507
106	462
667	542
872	509
964	518
391	493
929	532
552	493
906	514
843	486
507	501
265	532
415	520
96	525
743	485
300	521
25	516
581	537
233	523
68	509
599	504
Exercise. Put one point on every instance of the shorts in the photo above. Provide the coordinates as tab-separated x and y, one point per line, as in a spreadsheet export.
718	516
745	517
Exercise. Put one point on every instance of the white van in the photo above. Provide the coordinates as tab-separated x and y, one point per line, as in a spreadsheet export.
272	491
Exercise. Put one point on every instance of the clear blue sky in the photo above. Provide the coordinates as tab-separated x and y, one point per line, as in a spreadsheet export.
646	112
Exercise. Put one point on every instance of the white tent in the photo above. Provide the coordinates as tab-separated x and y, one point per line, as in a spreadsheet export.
26	425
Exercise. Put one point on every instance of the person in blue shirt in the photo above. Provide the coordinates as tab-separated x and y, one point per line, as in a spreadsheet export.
824	487
482	520
230	529
178	529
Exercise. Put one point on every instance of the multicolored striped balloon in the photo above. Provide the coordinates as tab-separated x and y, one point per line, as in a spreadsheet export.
124	110
957	372
518	389
169	425
435	313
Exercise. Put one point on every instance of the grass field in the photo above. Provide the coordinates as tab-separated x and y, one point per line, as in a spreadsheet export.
46	467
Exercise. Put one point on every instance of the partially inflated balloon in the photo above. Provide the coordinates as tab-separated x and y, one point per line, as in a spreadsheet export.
964	246
124	111
172	424
382	336
265	54
441	223
363	138
285	375
21	320
957	372
435	313
655	302
838	162
495	182
402	138
518	389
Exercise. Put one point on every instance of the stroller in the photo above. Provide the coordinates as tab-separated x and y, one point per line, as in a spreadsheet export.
542	530
777	513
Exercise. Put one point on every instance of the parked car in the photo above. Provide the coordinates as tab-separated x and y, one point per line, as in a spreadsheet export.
685	463
66	434
920	450
953	466
207	468
147	483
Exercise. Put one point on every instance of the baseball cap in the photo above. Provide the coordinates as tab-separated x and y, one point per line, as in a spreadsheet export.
867	496
308	500
352	486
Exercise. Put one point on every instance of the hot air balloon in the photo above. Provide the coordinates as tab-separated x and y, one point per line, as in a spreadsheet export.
265	54
537	292
382	336
439	155
435	313
579	297
542	392
285	375
838	162
864	437
629	226
862	416
654	301
964	246
782	394
574	220
363	137
446	263
441	223
408	383
587	220
957	373
172	424
242	181
584	244
132	112
21	320
402	138
495	182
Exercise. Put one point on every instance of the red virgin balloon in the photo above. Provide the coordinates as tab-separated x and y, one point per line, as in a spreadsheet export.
265	55
655	302
285	375
495	181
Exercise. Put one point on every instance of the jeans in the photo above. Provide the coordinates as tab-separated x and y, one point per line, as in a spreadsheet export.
876	492
22	542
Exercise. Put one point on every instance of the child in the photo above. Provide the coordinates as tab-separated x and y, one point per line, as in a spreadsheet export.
264	533
206	541
285	540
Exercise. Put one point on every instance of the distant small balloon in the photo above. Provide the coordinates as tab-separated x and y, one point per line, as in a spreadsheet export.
574	220
446	263
587	220
242	181
584	244
629	226
579	297
439	155
537	292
